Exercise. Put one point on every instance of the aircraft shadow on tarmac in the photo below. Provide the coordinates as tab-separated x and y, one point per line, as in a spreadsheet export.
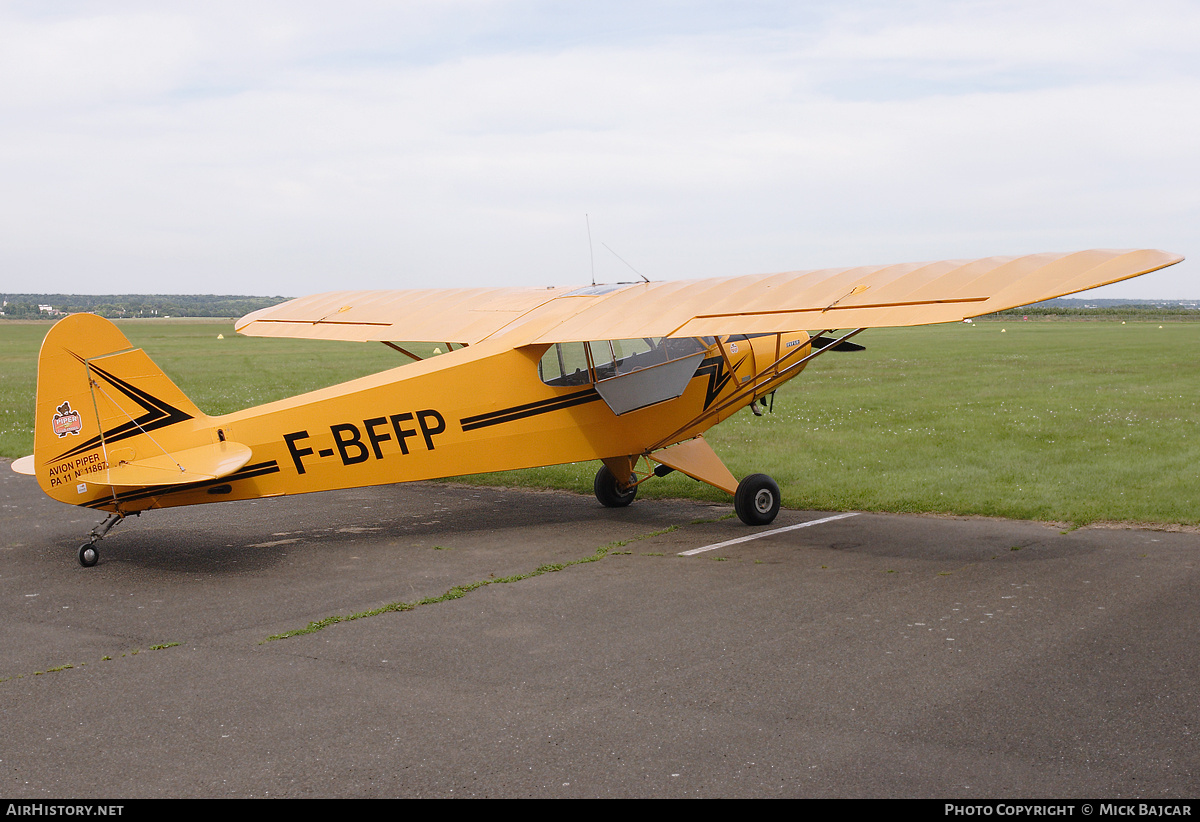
237	537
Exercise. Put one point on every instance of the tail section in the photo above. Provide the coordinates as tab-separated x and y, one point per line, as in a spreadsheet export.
108	418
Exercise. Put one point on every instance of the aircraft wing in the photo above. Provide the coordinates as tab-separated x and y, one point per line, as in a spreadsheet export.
862	297
452	315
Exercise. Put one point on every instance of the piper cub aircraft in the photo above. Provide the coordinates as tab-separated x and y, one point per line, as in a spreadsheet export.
631	374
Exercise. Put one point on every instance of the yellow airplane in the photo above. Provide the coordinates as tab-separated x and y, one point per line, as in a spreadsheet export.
631	374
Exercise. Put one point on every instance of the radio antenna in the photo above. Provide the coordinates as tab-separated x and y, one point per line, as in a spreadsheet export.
591	256
622	259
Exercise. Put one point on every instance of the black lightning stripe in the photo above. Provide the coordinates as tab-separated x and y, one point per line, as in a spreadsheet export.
713	368
718	377
158	414
530	409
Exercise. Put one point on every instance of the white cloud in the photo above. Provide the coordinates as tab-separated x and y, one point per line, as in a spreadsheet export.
285	148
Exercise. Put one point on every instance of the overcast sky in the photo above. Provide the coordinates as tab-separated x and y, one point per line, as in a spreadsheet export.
293	147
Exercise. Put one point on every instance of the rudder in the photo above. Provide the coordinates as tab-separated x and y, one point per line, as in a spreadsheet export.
102	403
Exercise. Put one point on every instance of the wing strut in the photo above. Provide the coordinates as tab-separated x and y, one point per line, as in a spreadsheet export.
774	374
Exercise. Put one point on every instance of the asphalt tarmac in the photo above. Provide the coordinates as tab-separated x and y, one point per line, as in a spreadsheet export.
867	656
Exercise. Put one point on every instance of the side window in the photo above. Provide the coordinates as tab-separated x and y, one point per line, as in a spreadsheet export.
583	363
612	358
603	355
686	346
635	355
564	364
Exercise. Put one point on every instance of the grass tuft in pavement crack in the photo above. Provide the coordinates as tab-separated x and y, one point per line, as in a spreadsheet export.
106	658
460	591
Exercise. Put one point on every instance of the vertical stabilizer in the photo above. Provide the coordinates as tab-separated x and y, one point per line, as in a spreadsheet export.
102	403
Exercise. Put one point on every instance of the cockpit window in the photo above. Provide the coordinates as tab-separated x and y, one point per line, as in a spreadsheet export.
565	364
584	363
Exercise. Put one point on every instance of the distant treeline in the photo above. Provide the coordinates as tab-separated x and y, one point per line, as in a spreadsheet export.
116	306
1134	312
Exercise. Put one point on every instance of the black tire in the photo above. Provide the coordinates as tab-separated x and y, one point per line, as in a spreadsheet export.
607	492
757	500
89	554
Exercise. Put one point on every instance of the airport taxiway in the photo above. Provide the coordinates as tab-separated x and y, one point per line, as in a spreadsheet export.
866	656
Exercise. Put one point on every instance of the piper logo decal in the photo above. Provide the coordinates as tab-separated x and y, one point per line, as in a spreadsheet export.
66	421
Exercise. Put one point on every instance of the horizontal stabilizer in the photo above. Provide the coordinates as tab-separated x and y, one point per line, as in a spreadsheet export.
202	464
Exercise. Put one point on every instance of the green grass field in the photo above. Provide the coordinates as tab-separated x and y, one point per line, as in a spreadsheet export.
1061	421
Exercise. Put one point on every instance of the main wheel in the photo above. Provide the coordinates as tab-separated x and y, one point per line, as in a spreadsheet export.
89	555
608	493
757	500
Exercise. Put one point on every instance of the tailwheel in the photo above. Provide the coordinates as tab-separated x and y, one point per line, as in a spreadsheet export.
757	500
89	554
607	492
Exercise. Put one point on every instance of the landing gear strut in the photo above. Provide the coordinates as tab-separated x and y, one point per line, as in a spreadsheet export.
608	493
89	554
755	499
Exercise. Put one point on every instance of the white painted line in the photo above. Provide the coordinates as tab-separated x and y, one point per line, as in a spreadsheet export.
761	534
